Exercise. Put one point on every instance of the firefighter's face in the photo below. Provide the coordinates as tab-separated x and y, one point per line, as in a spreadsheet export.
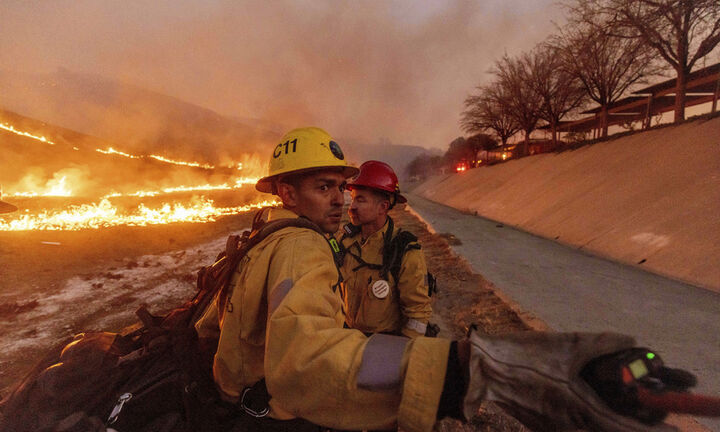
319	197
367	206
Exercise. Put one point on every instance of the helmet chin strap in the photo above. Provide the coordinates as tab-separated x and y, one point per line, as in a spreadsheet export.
393	201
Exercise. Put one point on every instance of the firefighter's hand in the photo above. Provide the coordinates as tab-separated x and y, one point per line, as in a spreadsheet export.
535	377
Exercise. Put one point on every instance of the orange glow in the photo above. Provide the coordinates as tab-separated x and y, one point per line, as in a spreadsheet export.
174	162
111	150
104	214
10	128
101	212
207	187
57	188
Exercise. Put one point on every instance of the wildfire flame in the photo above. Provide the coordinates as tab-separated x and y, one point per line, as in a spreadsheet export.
175	162
10	128
238	184
57	188
104	214
112	151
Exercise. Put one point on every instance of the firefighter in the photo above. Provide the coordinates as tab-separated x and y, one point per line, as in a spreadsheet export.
285	361
385	275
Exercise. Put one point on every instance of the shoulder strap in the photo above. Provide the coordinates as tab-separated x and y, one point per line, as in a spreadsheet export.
262	230
399	245
403	242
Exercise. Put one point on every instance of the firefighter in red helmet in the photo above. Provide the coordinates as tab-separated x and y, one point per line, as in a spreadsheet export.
387	287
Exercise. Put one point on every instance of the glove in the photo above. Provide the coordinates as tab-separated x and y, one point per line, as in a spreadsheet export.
535	377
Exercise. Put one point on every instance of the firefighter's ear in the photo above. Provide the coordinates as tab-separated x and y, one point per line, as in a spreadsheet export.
287	194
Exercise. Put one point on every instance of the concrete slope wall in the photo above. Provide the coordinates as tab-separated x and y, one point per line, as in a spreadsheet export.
652	197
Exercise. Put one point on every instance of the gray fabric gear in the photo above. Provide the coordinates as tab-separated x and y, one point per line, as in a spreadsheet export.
535	377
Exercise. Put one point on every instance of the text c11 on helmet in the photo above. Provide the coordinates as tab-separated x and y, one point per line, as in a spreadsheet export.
304	149
380	176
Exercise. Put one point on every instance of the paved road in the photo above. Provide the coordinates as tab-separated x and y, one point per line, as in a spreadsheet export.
572	290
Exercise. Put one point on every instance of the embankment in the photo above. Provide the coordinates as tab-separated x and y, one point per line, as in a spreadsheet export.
650	199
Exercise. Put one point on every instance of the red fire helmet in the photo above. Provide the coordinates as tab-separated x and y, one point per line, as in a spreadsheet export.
378	175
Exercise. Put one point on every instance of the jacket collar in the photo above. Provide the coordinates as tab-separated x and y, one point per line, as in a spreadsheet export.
281	213
376	237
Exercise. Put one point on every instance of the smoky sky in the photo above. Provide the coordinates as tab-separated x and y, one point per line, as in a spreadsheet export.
366	70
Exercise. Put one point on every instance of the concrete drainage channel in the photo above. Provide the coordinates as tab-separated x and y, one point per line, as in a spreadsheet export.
571	290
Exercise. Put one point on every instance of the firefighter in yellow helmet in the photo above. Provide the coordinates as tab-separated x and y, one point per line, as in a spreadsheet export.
386	282
284	360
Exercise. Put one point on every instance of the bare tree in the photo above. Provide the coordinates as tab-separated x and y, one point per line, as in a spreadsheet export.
459	151
559	90
515	77
606	65
680	31
481	143
489	110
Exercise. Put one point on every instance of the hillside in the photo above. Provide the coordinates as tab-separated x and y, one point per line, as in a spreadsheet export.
139	119
651	199
28	163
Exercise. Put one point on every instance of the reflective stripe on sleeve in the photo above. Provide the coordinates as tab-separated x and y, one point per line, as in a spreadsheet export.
381	362
278	294
416	325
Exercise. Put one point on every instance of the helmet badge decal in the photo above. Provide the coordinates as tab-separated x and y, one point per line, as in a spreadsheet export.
336	151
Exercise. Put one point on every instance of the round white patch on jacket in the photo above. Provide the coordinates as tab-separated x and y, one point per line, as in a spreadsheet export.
381	289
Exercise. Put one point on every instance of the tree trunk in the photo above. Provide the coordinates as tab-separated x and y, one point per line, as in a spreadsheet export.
715	95
526	144
553	127
604	121
648	113
680	87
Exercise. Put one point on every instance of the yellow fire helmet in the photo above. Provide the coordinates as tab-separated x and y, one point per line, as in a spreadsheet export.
304	149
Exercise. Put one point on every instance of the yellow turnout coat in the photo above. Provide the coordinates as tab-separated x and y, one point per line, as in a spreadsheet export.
403	308
284	321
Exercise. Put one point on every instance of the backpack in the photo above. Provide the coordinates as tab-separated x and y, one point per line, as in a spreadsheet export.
394	249
153	377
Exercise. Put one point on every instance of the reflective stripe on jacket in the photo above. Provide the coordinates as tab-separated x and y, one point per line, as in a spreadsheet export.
314	368
405	309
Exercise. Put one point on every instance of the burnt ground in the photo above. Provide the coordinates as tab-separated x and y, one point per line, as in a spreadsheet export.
55	284
96	279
